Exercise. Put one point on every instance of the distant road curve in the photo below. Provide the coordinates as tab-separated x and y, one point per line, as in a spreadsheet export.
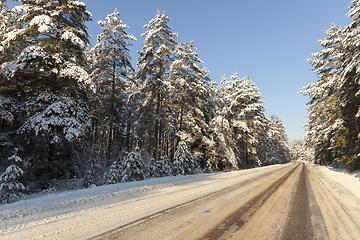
290	201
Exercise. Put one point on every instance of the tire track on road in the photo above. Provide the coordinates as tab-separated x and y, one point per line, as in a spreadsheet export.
172	211
299	225
238	218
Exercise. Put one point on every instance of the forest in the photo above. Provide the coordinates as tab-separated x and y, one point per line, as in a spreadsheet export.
69	110
333	121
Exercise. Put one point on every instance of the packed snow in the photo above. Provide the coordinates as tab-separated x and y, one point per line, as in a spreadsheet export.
44	207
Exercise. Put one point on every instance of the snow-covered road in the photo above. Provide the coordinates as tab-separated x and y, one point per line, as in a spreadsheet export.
292	200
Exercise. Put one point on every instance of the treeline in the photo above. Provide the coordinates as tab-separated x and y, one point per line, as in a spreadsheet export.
300	151
68	109
333	126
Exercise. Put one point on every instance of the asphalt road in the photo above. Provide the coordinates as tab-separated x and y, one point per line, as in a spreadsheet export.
290	201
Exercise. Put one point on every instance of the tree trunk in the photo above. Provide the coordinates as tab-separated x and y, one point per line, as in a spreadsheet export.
157	121
112	109
51	155
161	137
128	135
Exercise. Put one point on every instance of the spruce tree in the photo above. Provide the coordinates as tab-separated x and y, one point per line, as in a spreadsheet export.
184	156
94	173
114	174
159	168
133	167
10	186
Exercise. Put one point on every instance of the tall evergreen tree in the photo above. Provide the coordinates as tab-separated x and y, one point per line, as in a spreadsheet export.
348	143
49	81
112	66
189	95
246	111
8	23
323	122
185	157
277	142
333	126
153	70
224	147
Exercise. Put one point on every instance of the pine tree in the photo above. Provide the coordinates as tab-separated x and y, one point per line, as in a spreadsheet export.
159	168
189	96
8	22
223	146
115	172
246	114
112	66
133	167
10	187
185	157
153	71
333	115
347	147
94	174
324	104
278	150
49	82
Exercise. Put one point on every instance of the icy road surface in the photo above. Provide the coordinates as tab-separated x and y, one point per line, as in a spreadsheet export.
290	201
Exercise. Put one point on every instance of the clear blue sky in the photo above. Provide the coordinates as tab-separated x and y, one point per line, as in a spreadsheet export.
268	40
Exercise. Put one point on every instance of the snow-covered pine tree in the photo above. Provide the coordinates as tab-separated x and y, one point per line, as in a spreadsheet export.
10	187
333	126
224	148
112	66
185	157
246	114
49	82
278	150
132	115
177	168
153	70
133	167
8	22
94	173
224	89
115	172
323	120
158	168
210	108
301	152
347	145
189	97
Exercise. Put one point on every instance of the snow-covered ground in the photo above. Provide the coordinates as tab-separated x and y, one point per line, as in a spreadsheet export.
350	181
40	208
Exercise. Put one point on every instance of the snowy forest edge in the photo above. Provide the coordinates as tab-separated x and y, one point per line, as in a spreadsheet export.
70	110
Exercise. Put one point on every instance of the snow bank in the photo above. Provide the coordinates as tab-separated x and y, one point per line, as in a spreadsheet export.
350	181
40	207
